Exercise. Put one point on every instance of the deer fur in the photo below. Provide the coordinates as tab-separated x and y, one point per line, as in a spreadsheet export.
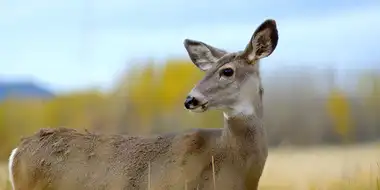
64	158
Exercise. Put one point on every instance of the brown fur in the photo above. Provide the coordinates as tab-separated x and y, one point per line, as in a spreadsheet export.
67	159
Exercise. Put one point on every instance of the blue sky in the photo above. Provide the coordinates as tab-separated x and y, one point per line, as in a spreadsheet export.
71	44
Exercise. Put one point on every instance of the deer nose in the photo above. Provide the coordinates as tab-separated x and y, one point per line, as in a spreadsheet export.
191	102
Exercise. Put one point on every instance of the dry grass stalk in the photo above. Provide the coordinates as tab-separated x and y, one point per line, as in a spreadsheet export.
213	171
149	182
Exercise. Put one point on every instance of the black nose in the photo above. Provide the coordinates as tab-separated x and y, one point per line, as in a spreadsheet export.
190	101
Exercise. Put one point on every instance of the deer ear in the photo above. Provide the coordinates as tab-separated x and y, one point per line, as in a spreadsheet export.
263	42
202	54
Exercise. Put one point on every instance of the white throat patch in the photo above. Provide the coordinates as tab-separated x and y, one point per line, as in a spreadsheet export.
243	108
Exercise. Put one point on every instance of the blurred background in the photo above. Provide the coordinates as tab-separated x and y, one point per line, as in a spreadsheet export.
120	67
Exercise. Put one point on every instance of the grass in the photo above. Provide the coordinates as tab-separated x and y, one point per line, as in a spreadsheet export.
321	168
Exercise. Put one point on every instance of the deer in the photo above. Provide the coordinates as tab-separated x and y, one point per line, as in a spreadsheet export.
228	158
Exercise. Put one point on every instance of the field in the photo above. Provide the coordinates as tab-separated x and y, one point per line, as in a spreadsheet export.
322	168
327	168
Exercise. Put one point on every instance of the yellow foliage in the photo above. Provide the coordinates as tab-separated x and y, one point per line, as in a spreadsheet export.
338	107
62	110
177	80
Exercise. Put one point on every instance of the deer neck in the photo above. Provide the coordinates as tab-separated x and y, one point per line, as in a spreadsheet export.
243	125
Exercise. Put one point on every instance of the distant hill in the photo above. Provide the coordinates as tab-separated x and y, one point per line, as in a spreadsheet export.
23	90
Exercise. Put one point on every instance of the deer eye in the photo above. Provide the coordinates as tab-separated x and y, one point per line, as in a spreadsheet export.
227	72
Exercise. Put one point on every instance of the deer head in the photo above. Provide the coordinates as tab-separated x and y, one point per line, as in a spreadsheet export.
232	80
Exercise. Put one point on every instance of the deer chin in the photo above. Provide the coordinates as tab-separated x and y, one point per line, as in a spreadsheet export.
201	108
